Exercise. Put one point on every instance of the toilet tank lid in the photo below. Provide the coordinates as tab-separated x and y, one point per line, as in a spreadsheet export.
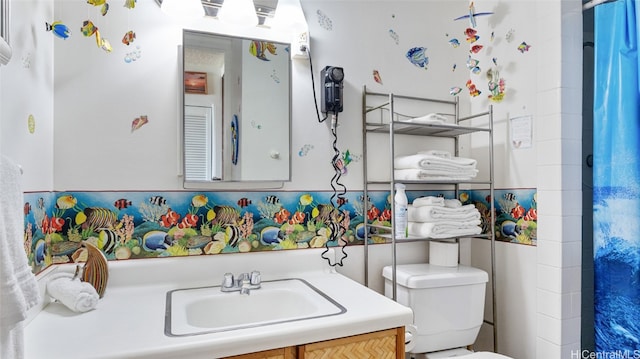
425	275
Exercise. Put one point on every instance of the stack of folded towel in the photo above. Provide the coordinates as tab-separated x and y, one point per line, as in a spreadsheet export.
436	217
431	119
434	165
74	294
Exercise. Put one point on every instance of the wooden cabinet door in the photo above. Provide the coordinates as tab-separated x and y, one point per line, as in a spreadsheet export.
386	344
282	353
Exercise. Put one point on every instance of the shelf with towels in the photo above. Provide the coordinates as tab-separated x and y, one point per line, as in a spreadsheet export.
381	115
423	129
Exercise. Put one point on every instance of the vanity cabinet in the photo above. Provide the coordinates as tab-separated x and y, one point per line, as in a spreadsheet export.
385	344
281	353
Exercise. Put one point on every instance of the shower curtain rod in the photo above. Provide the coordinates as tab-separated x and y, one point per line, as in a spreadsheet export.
593	3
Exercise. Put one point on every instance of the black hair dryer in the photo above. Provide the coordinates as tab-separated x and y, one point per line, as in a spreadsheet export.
332	78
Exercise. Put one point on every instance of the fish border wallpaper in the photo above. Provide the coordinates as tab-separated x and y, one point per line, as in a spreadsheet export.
132	224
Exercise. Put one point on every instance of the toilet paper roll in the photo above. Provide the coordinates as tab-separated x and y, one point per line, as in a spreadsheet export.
410	333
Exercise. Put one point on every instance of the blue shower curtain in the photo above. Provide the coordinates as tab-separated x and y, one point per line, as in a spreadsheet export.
616	179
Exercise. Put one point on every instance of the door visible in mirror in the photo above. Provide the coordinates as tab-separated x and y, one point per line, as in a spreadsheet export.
248	80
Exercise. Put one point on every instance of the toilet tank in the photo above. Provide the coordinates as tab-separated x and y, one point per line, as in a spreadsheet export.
447	303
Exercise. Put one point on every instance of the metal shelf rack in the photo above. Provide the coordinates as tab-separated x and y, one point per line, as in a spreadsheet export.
399	124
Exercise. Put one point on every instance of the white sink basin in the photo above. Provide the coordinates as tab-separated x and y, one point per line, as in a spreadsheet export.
195	311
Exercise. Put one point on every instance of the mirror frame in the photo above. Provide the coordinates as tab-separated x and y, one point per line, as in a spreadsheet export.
230	184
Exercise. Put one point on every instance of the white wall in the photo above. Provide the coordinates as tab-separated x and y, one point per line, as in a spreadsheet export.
26	88
97	95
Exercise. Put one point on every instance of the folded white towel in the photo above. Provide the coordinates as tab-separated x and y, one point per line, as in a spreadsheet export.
429	161
425	175
436	201
440	213
452	203
428	201
432	118
442	230
438	153
74	294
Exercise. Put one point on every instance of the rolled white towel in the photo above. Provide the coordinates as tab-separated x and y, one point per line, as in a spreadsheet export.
74	294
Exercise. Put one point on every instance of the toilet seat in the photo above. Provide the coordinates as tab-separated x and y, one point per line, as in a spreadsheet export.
483	355
460	353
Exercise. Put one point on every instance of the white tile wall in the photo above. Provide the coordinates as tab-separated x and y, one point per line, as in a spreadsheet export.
559	159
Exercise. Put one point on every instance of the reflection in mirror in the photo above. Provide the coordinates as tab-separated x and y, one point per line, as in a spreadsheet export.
236	118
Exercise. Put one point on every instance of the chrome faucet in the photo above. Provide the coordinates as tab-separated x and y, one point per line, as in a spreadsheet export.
243	284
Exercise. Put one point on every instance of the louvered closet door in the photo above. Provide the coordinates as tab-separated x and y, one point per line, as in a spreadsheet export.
198	143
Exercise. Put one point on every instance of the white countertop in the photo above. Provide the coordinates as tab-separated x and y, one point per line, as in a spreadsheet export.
129	320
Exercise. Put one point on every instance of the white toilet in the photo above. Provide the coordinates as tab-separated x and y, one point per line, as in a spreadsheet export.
448	308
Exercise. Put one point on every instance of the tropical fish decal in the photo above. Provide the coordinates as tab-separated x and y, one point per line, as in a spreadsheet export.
225	215
376	77
235	138
394	36
471	35
107	239
31	124
66	202
417	56
157	200
199	200
271	199
129	37
122	203
473	91
156	241
472	15
244	202
472	64
260	48
170	218
475	49
59	29
104	9
88	28
130	4
232	235
523	47
97	218
139	122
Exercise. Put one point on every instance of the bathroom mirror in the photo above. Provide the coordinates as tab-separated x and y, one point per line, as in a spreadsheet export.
237	110
5	49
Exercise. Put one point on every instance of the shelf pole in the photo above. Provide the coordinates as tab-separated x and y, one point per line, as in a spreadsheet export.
365	194
493	232
393	207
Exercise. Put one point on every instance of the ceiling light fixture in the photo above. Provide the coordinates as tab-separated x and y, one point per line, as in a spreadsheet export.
238	12
289	16
183	8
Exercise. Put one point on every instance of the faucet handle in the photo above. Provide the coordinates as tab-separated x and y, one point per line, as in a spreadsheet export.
255	278
228	281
